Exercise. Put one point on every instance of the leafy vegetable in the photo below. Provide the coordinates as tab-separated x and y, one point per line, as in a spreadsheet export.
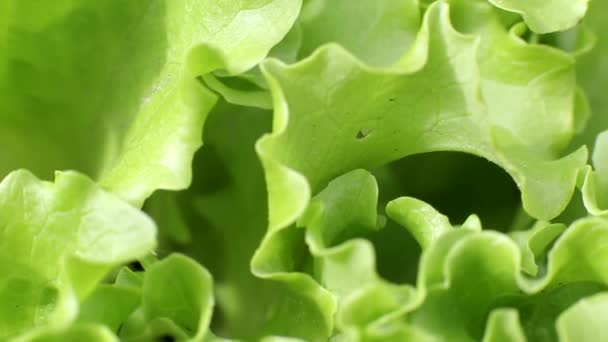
58	241
546	16
124	107
333	197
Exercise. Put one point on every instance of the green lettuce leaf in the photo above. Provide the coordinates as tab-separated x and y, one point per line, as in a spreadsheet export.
503	325
176	302
110	305
585	320
202	223
457	261
125	107
173	301
546	16
534	244
338	224
356	116
59	240
378	32
316	115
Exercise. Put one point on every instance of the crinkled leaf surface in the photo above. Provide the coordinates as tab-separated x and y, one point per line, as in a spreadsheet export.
59	239
356	116
120	91
446	94
341	259
464	274
109	87
176	301
488	262
378	32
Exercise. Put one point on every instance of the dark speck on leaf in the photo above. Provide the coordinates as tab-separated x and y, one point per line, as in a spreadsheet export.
392	99
361	134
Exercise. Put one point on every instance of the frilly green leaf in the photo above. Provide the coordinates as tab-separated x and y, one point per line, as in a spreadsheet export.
59	239
445	94
322	131
545	16
490	263
126	107
177	300
533	243
471	283
424	222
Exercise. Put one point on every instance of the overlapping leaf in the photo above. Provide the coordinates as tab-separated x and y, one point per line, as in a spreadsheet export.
490	263
546	16
59	239
361	117
116	96
377	32
202	222
109	87
471	284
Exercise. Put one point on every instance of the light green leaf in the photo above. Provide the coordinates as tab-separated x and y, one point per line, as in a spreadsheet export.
443	307
125	107
422	220
128	278
533	243
180	290
503	326
545	16
378	32
489	263
221	43
59	239
109	305
341	260
322	131
585	320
